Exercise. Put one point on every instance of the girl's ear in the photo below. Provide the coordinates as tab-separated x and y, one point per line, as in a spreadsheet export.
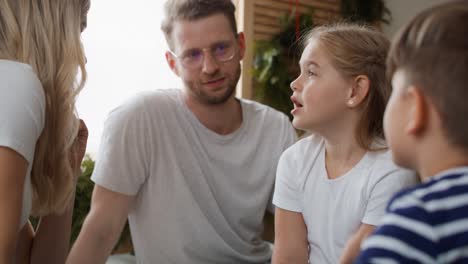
359	90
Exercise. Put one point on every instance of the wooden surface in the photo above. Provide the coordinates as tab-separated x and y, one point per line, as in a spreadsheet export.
259	20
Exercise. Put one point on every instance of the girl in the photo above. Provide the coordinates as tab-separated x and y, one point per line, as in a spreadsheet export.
42	143
332	186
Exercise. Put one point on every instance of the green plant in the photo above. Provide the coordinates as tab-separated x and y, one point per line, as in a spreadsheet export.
365	11
84	189
276	63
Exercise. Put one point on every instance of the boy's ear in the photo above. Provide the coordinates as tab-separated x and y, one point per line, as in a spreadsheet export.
418	111
358	91
172	63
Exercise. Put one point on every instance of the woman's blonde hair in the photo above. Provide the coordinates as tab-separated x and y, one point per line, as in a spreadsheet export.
359	50
46	35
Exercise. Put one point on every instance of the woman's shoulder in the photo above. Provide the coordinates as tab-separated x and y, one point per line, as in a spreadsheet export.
11	69
20	80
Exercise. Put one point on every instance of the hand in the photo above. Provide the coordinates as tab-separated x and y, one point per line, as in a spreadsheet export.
79	146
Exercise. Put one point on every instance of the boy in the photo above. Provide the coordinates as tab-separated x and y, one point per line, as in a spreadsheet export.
426	128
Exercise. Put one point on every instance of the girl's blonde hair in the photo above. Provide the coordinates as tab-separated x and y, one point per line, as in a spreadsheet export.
359	50
46	35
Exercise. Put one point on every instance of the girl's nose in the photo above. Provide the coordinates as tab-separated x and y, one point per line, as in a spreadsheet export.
295	84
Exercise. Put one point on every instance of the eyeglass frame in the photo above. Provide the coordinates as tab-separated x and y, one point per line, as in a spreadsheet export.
208	49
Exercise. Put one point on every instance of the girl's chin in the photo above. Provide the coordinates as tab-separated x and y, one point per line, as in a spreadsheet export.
297	125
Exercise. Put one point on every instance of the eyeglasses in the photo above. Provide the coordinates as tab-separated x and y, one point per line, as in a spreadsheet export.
193	58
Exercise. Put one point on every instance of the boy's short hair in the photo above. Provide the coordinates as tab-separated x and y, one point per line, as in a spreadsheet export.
190	10
432	50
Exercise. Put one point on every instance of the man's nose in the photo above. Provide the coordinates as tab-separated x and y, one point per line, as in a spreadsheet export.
210	64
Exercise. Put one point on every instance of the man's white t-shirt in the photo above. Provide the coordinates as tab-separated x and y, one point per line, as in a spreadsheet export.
333	209
200	196
22	118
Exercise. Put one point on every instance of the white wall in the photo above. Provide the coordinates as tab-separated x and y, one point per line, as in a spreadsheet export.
403	10
125	51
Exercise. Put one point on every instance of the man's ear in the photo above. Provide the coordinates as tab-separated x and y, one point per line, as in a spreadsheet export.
172	62
359	91
418	111
241	43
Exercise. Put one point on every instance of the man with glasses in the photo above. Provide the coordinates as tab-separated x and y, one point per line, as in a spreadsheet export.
194	168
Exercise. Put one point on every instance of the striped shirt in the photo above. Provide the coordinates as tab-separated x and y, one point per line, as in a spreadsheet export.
424	224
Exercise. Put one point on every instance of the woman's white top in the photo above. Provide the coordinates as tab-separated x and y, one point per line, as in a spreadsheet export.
22	118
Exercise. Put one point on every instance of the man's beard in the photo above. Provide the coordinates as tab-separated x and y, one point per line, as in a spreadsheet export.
221	99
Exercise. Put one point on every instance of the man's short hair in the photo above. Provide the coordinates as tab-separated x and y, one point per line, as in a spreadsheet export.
432	50
190	10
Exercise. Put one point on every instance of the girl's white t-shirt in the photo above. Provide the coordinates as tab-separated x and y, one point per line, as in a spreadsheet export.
333	209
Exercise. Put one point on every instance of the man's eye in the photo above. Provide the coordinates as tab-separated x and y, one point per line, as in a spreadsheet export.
220	49
193	55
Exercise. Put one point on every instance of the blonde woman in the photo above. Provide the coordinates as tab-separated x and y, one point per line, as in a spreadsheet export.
42	142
